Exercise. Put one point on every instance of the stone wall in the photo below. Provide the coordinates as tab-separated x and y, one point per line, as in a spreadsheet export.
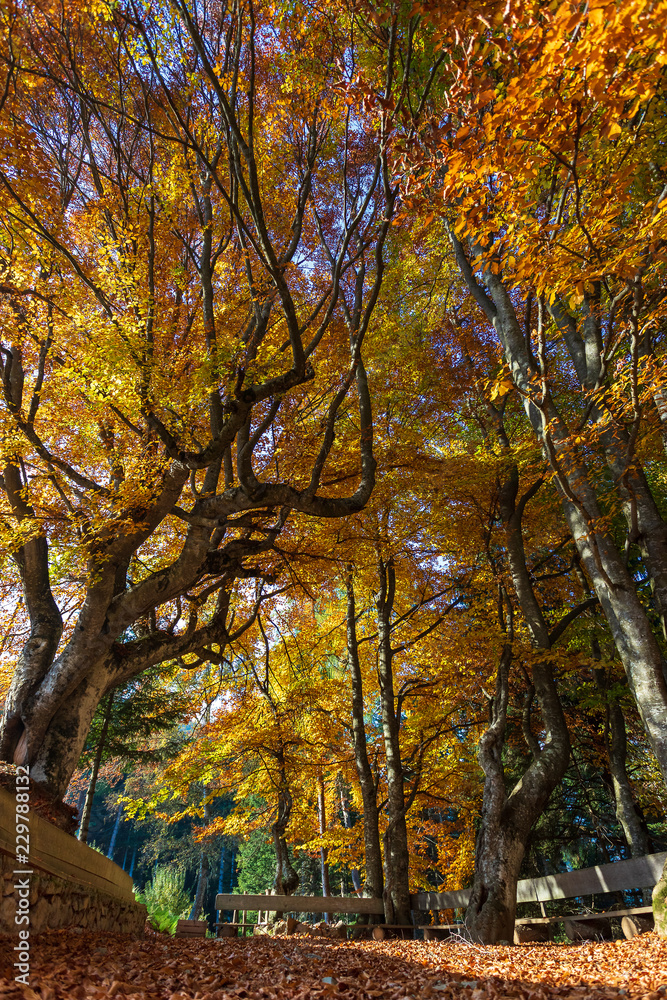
58	903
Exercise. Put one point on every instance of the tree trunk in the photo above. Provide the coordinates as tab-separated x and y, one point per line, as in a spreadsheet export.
584	343
374	881
324	864
347	823
202	881
498	852
90	794
660	904
127	848
202	875
56	757
396	858
507	820
627	814
116	828
286	881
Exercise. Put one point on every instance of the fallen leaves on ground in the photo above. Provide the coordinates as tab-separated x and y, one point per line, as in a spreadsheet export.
90	966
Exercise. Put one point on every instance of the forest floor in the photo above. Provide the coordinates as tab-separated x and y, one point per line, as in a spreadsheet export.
89	966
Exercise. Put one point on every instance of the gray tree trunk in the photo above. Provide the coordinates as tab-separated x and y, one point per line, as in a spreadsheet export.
507	820
374	881
396	857
627	814
90	794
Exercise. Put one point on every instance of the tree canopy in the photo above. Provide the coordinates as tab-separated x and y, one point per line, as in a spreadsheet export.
332	346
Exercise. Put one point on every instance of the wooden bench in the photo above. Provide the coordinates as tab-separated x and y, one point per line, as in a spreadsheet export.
238	903
635	873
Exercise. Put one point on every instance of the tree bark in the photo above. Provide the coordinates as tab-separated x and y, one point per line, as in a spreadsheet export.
374	880
631	822
396	857
508	819
646	528
498	851
286	881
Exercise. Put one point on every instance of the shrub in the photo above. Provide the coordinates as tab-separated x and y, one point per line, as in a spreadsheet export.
165	898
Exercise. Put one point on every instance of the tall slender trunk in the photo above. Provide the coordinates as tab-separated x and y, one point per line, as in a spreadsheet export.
90	794
80	802
203	873
322	822
508	819
634	827
347	823
396	858
116	828
584	343
374	881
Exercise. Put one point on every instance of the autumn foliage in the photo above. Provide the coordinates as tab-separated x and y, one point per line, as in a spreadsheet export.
333	379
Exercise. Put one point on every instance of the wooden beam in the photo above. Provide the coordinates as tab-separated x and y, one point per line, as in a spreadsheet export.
302	904
58	853
635	873
440	900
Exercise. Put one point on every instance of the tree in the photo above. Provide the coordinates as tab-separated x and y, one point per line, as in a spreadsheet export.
554	206
191	259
